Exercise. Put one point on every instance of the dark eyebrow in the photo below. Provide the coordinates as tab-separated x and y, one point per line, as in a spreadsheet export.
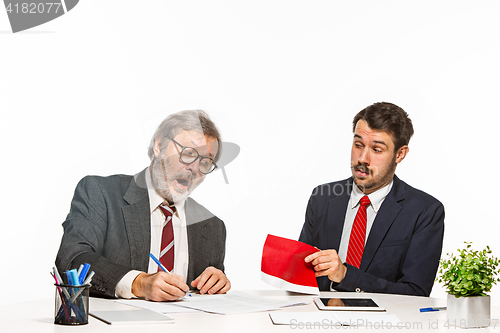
382	143
379	142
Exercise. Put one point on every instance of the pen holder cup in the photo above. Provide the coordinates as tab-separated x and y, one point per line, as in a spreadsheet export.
72	305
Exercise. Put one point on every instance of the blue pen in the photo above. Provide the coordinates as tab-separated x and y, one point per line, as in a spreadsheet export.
437	308
163	267
87	281
70	278
159	263
74	277
83	273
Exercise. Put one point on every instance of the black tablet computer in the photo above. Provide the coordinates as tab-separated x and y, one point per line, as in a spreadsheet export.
348	304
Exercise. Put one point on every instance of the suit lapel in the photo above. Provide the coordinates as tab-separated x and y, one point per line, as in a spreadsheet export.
196	233
195	224
330	233
385	217
137	221
336	212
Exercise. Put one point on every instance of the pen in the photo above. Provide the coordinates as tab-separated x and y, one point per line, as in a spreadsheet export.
159	263
60	281
69	277
74	277
63	303
89	278
83	273
163	267
436	308
80	269
87	281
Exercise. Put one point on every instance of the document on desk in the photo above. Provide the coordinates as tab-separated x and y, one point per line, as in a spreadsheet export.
332	319
130	317
233	303
161	307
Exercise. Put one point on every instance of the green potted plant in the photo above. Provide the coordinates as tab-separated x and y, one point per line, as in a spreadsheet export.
467	278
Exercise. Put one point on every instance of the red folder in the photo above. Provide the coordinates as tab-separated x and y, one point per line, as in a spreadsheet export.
283	265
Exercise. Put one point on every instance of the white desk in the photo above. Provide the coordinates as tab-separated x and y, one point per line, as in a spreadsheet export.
37	316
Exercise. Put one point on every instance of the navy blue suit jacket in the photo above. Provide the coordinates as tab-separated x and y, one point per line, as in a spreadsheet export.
404	245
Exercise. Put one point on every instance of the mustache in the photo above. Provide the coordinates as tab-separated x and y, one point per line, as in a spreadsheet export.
184	175
362	168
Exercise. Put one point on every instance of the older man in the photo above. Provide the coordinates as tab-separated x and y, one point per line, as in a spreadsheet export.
115	222
376	233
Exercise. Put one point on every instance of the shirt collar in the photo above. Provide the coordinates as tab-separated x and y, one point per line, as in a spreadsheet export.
154	198
376	198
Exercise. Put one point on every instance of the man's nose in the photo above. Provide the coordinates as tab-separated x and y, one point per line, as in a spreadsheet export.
194	167
364	157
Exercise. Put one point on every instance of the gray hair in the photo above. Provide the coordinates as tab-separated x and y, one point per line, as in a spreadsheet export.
188	120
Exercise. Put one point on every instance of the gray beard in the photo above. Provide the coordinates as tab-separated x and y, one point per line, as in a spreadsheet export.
160	183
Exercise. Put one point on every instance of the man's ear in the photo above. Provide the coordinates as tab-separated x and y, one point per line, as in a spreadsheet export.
401	153
157	147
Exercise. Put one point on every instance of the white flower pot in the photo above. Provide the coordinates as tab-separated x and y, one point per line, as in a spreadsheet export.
468	312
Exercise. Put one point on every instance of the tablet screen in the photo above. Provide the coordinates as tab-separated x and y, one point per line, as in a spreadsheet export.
348	302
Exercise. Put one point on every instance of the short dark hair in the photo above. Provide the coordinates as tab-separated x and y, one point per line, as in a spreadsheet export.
188	120
389	118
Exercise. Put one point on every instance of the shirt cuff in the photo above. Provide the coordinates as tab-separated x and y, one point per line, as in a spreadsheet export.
124	286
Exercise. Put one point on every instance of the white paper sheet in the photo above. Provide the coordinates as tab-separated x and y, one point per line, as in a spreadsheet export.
237	302
161	307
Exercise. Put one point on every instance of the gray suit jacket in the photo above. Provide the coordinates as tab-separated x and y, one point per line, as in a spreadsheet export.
108	227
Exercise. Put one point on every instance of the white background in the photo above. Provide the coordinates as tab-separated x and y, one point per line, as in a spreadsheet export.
84	93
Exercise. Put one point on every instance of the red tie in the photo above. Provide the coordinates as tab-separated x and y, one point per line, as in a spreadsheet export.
358	234
167	239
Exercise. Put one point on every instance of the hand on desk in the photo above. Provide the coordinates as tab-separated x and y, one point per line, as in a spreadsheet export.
327	263
212	281
159	286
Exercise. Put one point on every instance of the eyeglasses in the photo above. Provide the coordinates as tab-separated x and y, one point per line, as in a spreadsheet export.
189	155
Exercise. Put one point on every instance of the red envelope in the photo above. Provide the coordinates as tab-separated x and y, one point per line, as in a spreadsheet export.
283	265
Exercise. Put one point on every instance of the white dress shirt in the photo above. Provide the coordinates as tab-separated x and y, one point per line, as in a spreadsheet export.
376	200
181	255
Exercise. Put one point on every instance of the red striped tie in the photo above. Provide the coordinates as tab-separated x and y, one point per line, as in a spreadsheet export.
167	239
358	234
